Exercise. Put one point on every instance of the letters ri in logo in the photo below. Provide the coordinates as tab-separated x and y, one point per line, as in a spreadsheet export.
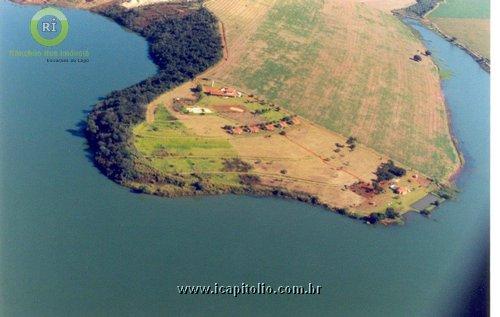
49	27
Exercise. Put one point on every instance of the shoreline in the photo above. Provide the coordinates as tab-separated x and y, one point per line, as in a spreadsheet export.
166	180
455	174
402	13
254	190
172	185
483	62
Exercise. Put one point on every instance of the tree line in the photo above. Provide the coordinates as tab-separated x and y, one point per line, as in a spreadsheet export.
421	7
182	46
388	171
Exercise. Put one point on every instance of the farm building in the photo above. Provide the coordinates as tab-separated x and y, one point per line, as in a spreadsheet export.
238	130
402	191
254	129
221	92
283	124
269	127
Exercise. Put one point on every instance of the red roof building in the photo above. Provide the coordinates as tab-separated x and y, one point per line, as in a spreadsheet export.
254	129
238	130
269	127
401	191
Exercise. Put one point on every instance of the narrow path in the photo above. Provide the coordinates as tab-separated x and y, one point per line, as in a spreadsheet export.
225	52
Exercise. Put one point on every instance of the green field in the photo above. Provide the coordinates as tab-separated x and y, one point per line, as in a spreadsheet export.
208	101
466	20
249	104
346	66
463	9
270	115
170	148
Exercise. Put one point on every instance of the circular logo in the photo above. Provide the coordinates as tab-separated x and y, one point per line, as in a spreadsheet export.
54	27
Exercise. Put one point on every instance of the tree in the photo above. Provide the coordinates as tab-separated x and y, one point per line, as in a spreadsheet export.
199	88
425	212
388	171
182	46
351	140
377	188
375	217
391	213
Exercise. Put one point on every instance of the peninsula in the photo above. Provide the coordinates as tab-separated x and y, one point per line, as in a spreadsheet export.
334	103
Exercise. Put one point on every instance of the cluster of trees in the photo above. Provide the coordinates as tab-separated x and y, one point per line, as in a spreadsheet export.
262	111
446	192
390	213
182	47
236	165
249	180
388	171
422	7
351	142
263	125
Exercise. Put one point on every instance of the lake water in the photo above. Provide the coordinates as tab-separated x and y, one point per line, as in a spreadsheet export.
72	243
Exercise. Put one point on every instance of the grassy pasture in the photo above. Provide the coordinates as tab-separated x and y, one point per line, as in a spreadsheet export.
307	159
248	103
346	66
467	20
171	148
463	9
271	115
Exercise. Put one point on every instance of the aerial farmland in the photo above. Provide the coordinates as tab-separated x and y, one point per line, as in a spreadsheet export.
345	65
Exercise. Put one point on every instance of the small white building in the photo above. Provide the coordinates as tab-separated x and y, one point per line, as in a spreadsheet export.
198	110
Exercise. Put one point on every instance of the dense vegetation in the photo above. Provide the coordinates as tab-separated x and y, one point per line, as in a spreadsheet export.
389	170
389	213
422	7
182	46
236	165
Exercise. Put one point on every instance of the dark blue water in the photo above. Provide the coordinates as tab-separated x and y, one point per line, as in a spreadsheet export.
72	243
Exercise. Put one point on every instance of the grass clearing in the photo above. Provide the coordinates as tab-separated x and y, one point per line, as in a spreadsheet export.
267	112
170	147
